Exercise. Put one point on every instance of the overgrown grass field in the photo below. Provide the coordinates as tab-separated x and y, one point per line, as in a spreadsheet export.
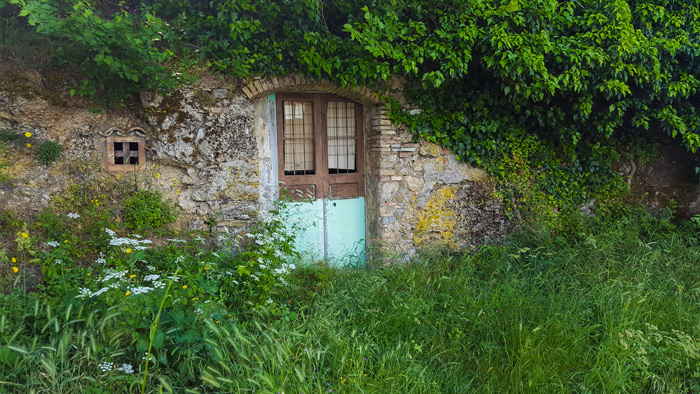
610	306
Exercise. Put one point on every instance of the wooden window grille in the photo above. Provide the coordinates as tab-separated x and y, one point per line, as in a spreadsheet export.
126	152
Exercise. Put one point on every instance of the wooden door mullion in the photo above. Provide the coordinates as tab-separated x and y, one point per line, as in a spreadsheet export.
323	112
318	150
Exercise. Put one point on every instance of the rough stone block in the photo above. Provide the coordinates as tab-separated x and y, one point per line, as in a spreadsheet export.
247	92
414	183
429	149
219	93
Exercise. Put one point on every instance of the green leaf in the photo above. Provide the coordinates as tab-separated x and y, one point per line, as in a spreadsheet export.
158	339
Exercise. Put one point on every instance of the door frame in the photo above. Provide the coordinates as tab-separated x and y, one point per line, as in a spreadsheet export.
321	179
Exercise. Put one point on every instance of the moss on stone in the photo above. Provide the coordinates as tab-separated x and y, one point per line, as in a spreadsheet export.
436	220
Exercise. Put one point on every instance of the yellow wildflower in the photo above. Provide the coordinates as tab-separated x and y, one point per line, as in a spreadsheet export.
29	145
157	175
128	293
128	251
218	321
206	268
184	287
27	134
14	260
118	176
25	235
132	276
89	274
15	270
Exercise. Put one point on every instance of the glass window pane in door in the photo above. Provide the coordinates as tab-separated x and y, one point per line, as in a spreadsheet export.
340	118
298	136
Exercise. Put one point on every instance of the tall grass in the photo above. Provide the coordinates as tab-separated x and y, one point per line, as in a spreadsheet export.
611	308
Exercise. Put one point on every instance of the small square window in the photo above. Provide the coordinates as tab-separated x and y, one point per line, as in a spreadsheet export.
126	153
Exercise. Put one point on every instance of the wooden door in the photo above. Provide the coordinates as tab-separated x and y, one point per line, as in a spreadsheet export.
320	154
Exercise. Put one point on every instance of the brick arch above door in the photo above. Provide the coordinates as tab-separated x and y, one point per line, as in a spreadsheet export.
295	83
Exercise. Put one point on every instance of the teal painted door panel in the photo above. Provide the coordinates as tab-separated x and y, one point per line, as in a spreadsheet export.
306	219
329	230
345	232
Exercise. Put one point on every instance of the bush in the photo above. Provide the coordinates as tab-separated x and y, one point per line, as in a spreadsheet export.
146	209
49	152
8	136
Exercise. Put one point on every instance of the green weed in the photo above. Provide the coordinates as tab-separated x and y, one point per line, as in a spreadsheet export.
611	307
49	152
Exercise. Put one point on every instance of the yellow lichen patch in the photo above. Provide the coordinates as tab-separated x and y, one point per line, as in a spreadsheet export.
436	220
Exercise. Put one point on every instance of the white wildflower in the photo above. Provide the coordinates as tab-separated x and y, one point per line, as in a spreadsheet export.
105	366
83	293
116	241
53	244
140	290
150	278
111	274
73	215
126	368
100	292
269	301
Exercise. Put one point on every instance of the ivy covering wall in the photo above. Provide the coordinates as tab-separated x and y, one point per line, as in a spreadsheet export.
545	94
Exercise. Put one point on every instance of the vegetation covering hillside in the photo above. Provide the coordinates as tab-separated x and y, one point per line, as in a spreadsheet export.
609	306
545	94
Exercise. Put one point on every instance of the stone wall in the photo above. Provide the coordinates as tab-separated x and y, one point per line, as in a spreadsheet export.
209	149
422	195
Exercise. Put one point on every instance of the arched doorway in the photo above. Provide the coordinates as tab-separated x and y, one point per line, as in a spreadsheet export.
320	166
